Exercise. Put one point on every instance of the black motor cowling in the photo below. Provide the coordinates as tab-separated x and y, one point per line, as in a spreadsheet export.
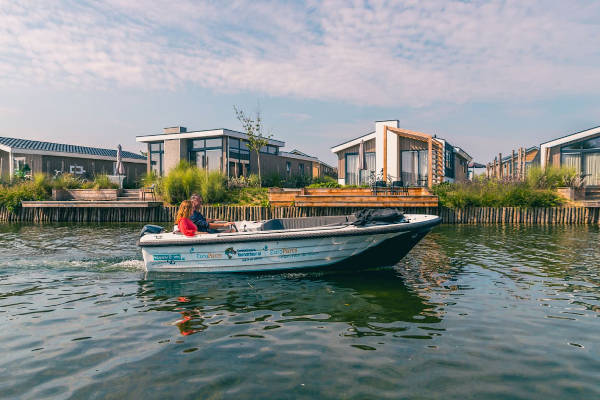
151	230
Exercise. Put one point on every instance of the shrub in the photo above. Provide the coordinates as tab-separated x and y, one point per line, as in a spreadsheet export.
149	179
248	197
67	181
103	182
185	179
325	182
39	188
551	177
253	180
273	180
494	193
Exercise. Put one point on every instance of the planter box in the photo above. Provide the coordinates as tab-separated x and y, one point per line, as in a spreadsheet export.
85	194
571	194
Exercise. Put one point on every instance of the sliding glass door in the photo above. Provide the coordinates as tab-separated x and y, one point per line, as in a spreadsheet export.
591	165
351	169
414	167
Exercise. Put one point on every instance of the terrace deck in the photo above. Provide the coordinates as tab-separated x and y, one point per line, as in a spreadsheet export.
360	197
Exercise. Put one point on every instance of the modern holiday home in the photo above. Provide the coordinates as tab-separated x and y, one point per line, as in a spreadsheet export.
579	150
393	153
227	151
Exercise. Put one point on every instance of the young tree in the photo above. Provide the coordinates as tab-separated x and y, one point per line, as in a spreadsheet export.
254	129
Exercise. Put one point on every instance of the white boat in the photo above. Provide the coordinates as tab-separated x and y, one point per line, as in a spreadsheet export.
288	244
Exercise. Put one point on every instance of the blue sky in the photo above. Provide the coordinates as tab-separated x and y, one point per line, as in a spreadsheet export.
488	76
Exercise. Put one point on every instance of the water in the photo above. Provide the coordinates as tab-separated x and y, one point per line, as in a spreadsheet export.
472	312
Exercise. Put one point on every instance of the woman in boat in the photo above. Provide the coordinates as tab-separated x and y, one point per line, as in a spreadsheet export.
183	221
203	224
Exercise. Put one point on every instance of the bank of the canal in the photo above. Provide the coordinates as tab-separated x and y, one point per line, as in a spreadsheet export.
473	215
496	311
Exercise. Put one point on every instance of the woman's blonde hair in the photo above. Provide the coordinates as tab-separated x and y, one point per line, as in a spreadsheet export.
185	210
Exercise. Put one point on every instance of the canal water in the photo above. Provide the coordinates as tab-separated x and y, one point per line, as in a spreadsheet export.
497	312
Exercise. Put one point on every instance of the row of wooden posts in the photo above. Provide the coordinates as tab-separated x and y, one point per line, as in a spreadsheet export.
513	168
475	215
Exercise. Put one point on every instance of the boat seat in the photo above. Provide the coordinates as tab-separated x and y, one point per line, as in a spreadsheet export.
306	222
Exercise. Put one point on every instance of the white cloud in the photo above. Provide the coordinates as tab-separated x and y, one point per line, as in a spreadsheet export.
409	53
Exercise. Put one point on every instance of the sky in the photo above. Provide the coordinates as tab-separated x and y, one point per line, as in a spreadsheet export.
488	76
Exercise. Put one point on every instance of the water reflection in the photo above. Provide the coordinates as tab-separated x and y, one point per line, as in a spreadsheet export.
373	303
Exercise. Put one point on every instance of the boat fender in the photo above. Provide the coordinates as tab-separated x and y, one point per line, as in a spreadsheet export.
151	229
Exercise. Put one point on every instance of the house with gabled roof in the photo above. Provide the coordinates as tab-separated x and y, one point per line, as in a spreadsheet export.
34	156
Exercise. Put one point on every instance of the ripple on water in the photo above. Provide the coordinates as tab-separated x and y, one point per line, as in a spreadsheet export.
471	312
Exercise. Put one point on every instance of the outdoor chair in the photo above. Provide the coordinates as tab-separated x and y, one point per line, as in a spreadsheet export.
399	188
149	190
379	187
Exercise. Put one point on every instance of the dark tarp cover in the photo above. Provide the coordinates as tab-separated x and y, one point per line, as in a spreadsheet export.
367	215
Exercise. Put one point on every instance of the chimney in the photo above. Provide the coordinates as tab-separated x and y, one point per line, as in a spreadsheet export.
175	129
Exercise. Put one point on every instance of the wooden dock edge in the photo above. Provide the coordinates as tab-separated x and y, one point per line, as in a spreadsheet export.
166	214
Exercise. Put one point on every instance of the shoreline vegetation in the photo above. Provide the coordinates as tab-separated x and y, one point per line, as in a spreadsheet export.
539	189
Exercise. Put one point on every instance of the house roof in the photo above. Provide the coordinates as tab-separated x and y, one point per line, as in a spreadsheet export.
572	136
527	151
159	137
352	142
544	147
39	146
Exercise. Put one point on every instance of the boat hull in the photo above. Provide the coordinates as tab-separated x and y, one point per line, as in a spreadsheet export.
369	248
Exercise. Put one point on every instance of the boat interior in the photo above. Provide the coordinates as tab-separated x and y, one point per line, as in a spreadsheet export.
294	223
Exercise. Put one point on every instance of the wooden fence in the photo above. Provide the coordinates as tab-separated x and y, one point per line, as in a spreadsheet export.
479	215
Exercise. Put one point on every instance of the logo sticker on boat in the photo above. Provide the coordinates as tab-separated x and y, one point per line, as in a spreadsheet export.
230	252
170	258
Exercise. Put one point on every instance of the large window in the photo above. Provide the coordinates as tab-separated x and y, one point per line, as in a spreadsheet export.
156	157
269	149
207	153
414	167
584	157
238	149
354	176
365	174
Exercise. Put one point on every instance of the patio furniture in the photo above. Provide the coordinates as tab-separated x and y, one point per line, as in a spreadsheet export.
399	188
149	190
379	187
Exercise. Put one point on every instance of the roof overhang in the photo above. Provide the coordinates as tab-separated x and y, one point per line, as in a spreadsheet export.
544	147
463	154
297	156
353	142
198	135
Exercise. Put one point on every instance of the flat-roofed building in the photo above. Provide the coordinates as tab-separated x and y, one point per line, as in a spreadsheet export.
579	150
224	150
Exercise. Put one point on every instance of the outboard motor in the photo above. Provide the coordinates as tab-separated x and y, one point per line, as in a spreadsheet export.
151	230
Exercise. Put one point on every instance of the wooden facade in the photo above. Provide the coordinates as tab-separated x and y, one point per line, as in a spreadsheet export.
435	151
513	167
